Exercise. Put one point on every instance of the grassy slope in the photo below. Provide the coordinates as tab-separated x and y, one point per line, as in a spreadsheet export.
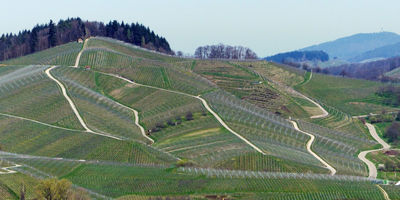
381	158
176	74
155	181
101	113
130	69
115	180
280	77
61	55
28	92
353	96
201	140
241	79
381	129
11	184
26	137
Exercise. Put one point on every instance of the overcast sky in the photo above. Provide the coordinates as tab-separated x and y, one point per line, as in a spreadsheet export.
266	26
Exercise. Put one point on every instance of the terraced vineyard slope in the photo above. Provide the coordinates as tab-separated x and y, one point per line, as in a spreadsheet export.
127	123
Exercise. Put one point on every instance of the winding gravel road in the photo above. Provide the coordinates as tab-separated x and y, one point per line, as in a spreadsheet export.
373	133
80	53
385	195
135	112
34	121
309	144
205	104
71	103
7	170
372	172
324	112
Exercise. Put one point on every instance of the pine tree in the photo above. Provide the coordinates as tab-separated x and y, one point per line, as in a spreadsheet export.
33	40
52	34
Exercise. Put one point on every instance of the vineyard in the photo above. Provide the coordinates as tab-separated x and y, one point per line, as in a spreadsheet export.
23	88
338	148
60	55
160	126
354	96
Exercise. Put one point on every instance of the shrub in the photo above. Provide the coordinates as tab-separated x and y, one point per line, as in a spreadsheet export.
184	163
53	189
189	116
393	132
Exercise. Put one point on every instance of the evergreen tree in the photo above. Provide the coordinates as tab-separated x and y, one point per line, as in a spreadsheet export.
34	40
52	34
49	35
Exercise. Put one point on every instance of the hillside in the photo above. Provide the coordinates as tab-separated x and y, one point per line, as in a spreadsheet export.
49	35
137	124
347	48
298	56
387	51
374	70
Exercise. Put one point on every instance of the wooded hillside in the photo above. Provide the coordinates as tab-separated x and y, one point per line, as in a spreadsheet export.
49	35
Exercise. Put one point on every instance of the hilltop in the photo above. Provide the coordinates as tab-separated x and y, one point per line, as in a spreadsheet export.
49	35
380	53
351	47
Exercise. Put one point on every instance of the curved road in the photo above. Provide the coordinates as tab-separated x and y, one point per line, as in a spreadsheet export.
309	144
324	112
71	103
385	195
312	137
205	104
136	121
372	172
80	53
142	131
8	169
34	121
373	133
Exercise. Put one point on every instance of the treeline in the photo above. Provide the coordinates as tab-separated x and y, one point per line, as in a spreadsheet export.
222	51
49	35
371	70
299	56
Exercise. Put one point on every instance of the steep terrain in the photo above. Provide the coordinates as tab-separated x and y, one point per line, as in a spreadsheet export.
132	123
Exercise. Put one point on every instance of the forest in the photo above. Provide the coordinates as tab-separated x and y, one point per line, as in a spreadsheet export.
48	35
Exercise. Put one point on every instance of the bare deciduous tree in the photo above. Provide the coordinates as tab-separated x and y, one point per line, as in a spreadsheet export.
222	51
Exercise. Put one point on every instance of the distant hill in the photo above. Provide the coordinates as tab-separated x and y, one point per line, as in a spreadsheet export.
299	56
375	70
379	53
350	47
49	35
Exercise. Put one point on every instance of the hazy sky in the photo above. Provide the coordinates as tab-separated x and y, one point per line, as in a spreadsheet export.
267	27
